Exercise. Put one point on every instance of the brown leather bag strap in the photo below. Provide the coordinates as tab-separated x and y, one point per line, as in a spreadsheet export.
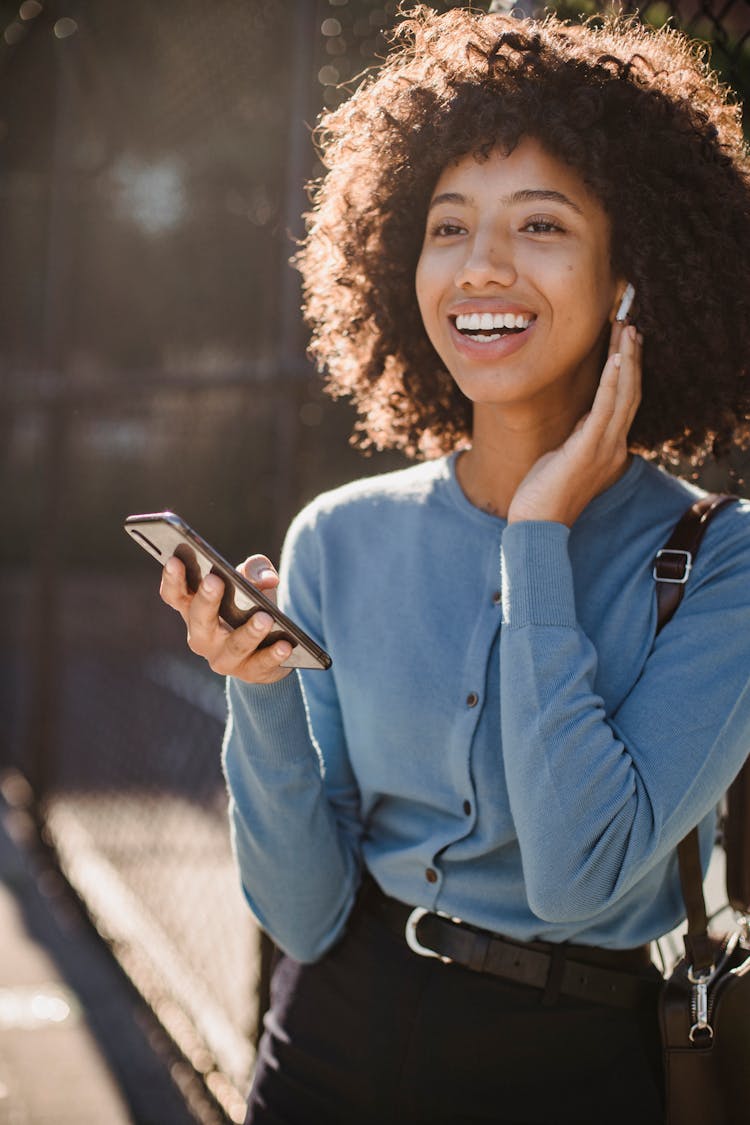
699	948
674	561
672	567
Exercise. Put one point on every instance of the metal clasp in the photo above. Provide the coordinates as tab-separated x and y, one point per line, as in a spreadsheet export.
700	1004
686	558
743	921
699	999
410	933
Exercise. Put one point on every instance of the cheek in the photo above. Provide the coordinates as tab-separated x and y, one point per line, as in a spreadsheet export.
583	324
586	295
420	280
425	292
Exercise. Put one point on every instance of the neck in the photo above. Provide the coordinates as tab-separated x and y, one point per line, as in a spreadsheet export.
490	473
505	447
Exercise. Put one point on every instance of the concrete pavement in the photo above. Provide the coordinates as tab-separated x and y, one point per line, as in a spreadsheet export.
77	1045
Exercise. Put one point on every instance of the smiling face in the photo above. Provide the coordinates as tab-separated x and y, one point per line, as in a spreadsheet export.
514	281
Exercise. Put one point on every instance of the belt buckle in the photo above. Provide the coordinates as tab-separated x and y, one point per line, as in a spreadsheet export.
410	933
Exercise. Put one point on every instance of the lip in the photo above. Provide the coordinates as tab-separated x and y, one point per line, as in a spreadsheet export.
494	349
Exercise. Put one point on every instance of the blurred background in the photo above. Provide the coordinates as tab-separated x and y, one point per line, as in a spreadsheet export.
153	158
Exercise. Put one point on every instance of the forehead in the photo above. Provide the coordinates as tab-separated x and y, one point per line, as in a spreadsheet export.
527	170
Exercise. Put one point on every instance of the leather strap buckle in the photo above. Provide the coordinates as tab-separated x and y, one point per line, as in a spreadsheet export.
671	558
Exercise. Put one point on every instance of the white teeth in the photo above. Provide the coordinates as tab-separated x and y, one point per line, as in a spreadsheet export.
486	322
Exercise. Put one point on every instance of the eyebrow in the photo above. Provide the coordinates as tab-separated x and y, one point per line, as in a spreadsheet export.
524	195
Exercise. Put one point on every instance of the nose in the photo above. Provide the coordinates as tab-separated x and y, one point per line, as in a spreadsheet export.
488	261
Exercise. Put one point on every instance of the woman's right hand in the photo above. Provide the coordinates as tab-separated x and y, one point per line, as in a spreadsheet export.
229	652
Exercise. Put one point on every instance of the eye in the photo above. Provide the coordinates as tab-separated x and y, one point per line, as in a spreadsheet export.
446	228
543	224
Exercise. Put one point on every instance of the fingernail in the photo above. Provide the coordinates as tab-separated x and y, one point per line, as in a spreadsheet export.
171	566
211	585
261	621
281	650
616	360
632	331
266	575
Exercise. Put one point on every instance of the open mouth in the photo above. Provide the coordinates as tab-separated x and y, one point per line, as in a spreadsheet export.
485	327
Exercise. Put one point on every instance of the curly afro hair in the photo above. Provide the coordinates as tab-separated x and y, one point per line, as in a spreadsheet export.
646	125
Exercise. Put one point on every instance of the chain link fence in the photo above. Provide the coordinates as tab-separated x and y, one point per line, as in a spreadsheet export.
152	158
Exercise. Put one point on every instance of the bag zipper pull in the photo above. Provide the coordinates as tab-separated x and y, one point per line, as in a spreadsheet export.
699	1001
699	1005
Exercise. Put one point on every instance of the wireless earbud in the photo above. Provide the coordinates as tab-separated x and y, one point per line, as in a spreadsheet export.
625	303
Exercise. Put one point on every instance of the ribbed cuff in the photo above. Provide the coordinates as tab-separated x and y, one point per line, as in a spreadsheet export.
537	579
274	717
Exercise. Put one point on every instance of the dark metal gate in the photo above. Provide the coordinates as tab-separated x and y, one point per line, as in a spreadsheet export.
152	158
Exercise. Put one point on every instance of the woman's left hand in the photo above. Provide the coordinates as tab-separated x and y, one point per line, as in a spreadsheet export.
563	481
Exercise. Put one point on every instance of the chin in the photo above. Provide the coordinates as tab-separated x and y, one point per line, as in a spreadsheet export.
496	389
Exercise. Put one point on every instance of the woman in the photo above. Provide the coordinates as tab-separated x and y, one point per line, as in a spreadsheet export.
502	742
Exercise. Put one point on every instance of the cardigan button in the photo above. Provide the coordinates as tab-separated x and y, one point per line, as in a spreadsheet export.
497	597
472	699
467	808
431	875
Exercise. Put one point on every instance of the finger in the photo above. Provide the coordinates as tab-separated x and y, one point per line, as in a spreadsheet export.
241	656
609	419
259	570
205	630
638	379
632	370
605	399
173	588
261	573
244	641
267	661
626	388
590	429
615	336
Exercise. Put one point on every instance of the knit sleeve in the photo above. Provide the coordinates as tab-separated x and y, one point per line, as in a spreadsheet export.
294	805
598	799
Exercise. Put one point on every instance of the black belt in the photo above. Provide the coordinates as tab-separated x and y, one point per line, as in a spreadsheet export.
604	976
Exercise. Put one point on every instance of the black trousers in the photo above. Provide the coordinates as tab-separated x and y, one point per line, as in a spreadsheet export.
373	1034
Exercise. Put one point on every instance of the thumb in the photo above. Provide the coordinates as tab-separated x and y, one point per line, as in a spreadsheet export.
260	572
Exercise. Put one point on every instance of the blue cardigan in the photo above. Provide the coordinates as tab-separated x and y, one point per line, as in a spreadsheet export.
501	736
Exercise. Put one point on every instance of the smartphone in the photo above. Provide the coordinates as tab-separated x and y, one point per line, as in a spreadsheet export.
164	534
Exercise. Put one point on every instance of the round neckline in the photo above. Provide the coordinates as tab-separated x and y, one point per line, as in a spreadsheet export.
609	498
462	500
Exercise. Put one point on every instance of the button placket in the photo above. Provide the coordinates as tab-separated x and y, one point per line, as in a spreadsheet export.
478	654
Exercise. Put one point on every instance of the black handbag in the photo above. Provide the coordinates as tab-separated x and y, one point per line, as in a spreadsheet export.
704	1005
